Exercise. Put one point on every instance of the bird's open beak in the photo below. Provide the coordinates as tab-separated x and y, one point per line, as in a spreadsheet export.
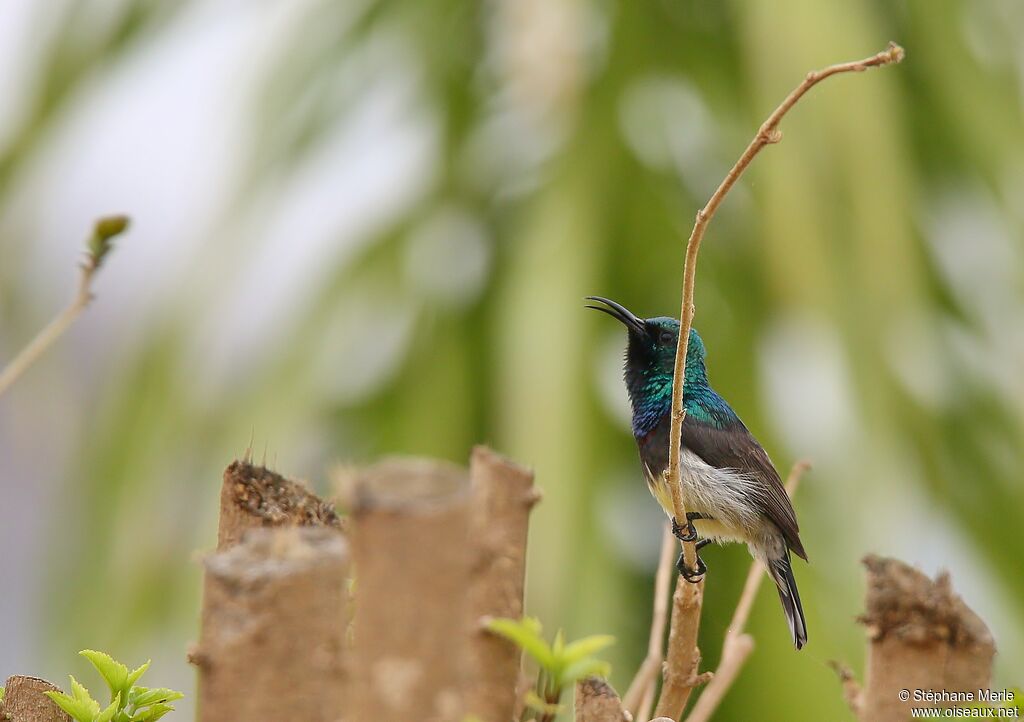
619	312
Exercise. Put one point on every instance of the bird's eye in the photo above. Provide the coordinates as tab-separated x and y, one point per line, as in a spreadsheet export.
665	338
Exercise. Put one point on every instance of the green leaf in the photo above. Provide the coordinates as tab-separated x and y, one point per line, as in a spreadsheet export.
157	694
153	713
81	695
113	672
559	644
78	709
575	651
135	692
525	633
133	677
108	714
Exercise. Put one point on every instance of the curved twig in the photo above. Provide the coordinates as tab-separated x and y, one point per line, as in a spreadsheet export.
767	134
98	247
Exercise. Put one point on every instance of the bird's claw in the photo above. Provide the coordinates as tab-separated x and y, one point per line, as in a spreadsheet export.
691	575
684	533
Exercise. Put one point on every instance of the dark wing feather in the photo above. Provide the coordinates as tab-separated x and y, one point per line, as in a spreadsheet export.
734	447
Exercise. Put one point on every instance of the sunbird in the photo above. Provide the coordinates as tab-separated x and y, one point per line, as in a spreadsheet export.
730	487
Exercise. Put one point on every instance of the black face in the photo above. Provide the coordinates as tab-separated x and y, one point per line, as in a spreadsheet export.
663	331
652	341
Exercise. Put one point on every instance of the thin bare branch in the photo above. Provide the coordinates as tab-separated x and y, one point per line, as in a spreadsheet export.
647	703
98	247
642	687
768	133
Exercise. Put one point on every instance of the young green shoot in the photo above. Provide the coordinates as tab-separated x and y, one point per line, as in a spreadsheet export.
559	664
129	702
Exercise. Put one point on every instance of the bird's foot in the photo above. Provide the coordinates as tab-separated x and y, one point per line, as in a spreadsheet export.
686	532
691	575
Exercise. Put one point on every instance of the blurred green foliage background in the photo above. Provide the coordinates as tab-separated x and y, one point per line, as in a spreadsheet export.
366	228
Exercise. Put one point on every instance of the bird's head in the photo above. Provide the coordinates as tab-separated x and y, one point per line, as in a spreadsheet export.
651	350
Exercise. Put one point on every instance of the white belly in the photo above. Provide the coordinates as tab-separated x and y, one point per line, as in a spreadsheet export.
725	495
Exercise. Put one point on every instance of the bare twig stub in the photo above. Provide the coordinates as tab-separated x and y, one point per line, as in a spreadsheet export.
253	497
413	559
502	496
25	701
922	636
596	701
273	628
767	134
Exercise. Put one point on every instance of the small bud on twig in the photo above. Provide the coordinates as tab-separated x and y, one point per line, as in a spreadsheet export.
105	230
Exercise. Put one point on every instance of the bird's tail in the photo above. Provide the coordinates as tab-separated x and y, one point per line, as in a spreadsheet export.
781	571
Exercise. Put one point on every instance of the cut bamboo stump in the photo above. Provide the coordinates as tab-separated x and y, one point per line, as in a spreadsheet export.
411	522
273	628
24	701
921	637
502	497
433	554
254	497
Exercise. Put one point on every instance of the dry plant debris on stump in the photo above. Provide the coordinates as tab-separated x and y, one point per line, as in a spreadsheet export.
255	497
